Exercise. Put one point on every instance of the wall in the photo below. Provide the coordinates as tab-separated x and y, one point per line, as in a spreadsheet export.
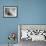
29	12
7	25
32	11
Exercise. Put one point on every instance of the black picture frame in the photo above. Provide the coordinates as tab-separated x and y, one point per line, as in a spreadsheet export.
10	7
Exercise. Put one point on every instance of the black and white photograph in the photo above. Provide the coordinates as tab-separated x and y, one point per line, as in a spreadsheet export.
29	34
10	11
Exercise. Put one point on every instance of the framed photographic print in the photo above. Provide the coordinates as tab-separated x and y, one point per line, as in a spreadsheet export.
33	32
10	11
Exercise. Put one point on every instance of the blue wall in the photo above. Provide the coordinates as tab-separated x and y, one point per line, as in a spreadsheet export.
32	11
7	25
29	12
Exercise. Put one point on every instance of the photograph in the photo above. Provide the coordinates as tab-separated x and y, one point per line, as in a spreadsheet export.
29	34
32	32
10	11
